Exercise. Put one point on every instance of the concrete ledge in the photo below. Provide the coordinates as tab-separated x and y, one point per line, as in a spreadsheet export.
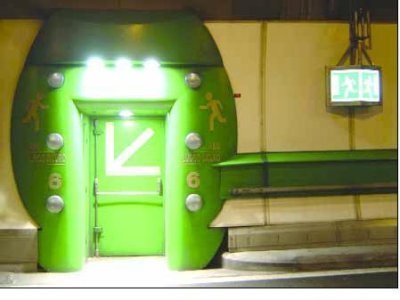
307	235
19	267
18	250
313	259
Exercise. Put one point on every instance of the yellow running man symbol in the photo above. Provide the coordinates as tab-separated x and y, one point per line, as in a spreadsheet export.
216	107
32	113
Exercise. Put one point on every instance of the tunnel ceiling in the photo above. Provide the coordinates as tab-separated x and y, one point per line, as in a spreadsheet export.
335	10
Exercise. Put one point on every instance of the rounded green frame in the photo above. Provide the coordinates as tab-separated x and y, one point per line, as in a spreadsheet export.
182	45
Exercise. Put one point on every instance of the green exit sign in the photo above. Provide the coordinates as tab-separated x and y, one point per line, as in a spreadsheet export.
354	86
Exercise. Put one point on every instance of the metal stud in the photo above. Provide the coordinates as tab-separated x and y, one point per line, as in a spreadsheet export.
55	80
193	141
193	80
194	202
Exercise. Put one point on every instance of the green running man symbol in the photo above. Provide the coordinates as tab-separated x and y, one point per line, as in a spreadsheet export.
32	113
215	106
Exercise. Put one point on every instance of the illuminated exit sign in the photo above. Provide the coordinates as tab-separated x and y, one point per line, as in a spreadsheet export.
354	86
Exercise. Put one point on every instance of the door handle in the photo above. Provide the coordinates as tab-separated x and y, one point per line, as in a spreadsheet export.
159	187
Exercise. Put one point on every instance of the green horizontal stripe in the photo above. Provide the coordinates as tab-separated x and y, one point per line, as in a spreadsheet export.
308	156
322	190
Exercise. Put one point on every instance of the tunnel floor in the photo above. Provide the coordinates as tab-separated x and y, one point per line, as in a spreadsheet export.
153	272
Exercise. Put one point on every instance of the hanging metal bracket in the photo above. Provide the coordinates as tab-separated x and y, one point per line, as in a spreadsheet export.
360	39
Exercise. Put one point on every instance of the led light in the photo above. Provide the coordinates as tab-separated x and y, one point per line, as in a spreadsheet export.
194	202
55	80
95	63
55	204
193	141
55	141
123	63
125	114
123	83
151	64
193	80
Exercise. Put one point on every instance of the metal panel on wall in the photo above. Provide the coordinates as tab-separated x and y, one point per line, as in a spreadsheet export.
311	209
378	206
239	44
296	116
376	127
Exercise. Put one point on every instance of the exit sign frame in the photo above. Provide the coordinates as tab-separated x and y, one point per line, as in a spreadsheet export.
343	86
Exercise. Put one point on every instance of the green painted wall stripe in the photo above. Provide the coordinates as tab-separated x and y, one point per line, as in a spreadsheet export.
309	156
320	190
306	169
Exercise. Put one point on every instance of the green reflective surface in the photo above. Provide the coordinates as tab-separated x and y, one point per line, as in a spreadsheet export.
130	171
304	169
66	239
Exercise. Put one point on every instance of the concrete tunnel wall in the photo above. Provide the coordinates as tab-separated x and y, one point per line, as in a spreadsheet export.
279	70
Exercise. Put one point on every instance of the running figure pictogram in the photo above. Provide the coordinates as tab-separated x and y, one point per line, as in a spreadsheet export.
215	106
32	114
349	85
369	87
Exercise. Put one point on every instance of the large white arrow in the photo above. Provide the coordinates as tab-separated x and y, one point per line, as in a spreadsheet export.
114	167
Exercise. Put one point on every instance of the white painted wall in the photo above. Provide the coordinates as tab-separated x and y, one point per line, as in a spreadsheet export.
16	37
279	68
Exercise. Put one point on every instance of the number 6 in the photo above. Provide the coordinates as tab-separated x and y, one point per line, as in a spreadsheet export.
193	180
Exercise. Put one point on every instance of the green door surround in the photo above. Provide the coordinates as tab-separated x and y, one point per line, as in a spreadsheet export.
182	45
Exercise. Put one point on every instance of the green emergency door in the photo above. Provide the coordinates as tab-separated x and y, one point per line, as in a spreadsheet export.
128	214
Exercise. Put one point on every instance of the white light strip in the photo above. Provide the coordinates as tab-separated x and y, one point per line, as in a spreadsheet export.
109	146
134	146
114	167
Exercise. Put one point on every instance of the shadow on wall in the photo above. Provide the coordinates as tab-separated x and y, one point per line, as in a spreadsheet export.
361	113
340	111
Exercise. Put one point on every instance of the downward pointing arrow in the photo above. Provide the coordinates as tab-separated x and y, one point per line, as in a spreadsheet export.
114	167
133	147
